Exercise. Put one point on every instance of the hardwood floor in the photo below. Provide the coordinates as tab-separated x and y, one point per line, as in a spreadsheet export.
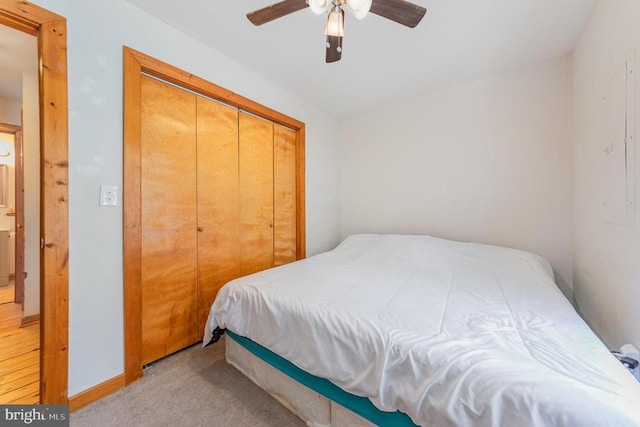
19	358
7	293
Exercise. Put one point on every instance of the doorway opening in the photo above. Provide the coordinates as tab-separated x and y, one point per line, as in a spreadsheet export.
19	151
50	31
19	328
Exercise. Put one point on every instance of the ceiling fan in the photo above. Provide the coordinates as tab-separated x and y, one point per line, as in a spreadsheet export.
400	11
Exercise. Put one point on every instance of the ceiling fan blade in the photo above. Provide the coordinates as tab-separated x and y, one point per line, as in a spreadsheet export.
275	11
400	11
334	49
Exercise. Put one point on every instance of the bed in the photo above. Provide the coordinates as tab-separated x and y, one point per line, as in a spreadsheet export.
432	331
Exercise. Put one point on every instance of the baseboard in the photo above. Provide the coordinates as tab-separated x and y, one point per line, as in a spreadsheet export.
30	320
96	392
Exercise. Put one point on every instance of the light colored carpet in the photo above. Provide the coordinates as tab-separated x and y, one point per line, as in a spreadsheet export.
195	387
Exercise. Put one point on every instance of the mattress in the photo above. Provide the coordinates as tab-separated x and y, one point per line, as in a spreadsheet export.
312	407
449	333
303	390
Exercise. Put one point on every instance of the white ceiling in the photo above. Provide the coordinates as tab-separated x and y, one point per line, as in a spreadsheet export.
457	41
18	54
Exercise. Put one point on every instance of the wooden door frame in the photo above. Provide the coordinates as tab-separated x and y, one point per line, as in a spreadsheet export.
18	278
51	31
136	63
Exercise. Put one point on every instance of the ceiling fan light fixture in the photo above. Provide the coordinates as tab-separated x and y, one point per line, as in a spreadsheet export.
335	22
400	11
317	6
360	8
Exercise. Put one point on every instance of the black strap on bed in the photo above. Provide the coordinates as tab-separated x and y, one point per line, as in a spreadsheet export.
215	336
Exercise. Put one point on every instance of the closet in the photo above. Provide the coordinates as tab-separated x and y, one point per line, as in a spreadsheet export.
218	200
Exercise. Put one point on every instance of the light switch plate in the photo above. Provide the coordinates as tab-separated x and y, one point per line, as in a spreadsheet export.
108	195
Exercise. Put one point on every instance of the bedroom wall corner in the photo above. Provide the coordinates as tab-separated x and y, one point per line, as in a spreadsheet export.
606	267
322	184
488	161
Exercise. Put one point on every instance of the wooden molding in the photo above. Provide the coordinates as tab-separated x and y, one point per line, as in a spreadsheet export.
30	320
96	392
7	128
136	63
132	220
50	30
301	236
169	73
19	216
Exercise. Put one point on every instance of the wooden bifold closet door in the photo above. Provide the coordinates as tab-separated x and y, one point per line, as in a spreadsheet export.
218	200
169	219
284	195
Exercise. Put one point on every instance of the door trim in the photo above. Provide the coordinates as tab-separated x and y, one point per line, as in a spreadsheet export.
19	272
51	31
136	63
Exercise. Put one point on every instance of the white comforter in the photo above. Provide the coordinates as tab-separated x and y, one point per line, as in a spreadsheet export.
449	333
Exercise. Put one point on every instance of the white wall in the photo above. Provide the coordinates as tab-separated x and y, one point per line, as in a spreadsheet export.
607	257
10	112
8	140
96	33
488	161
7	221
31	155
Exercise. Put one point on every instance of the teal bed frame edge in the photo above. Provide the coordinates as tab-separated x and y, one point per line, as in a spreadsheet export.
360	405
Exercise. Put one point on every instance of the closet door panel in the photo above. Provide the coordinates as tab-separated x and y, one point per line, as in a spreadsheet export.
256	193
218	201
168	219
284	195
